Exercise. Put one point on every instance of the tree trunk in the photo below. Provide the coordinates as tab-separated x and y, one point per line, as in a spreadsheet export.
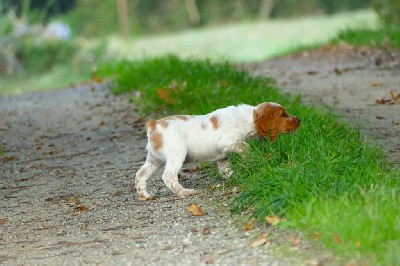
266	9
123	18
193	11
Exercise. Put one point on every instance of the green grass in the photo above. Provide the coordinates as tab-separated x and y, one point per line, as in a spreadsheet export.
324	179
385	36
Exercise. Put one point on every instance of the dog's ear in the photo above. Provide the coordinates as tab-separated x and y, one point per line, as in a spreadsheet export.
264	120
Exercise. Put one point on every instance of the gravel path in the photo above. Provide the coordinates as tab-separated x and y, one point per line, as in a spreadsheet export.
66	191
67	174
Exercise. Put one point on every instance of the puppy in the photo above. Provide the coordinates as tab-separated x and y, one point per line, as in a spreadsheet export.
178	139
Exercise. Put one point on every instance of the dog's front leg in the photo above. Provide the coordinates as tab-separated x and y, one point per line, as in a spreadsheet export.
224	168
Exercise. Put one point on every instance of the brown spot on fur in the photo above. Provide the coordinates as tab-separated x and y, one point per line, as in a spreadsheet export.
182	117
203	126
214	121
151	124
156	140
163	122
270	119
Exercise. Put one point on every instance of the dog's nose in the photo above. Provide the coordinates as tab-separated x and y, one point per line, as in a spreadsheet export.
298	119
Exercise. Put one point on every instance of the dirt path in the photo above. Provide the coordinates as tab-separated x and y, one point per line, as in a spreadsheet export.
348	80
66	178
66	191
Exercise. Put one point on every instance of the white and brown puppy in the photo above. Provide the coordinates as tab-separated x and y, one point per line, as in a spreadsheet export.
175	140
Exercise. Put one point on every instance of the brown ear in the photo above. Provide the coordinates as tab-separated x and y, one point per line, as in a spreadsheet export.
263	119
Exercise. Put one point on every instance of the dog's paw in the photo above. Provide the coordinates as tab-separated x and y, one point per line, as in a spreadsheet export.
187	192
146	197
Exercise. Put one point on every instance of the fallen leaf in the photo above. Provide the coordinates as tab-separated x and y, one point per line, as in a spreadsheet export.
8	158
394	96
208	261
196	168
195	210
380	117
358	244
102	124
206	231
295	241
96	79
395	123
315	235
376	84
272	219
337	239
3	221
260	240
249	225
81	208
341	71
165	95
338	71
312	73
395	99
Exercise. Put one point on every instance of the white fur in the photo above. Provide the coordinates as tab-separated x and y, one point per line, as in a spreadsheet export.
195	139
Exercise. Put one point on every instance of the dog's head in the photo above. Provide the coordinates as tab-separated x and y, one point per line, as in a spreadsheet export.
271	118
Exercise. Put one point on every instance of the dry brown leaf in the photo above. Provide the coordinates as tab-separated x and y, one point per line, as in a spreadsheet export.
208	261
376	84
315	235
3	221
206	231
395	99
8	158
272	219
96	79
249	225
102	124
312	73
260	240
195	210
296	241
81	208
196	168
337	239
394	96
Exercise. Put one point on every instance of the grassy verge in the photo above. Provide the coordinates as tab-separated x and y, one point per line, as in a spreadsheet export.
387	36
325	179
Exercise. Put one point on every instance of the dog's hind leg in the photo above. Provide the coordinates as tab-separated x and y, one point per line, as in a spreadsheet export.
148	168
170	176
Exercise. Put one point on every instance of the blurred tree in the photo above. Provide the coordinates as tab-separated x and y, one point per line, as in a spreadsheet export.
266	9
123	17
193	11
48	7
93	17
388	11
